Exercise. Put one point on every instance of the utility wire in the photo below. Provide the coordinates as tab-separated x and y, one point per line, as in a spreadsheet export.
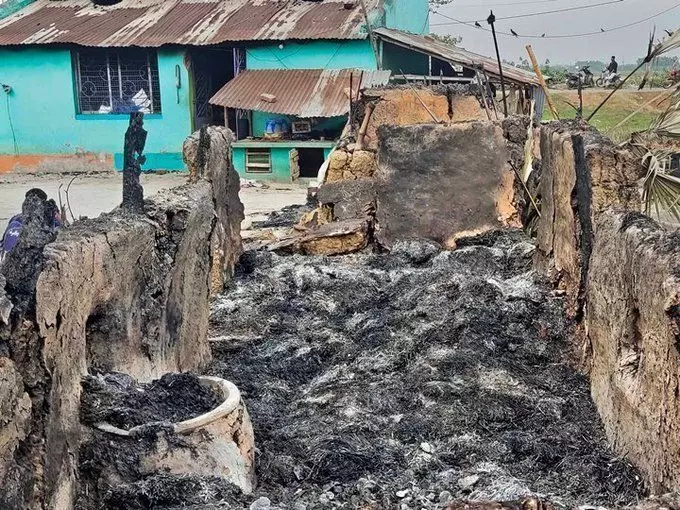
531	14
565	36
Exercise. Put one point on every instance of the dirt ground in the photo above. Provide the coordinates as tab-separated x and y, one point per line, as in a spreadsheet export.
90	195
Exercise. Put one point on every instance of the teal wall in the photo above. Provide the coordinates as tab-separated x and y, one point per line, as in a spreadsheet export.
400	60
43	110
259	120
11	6
309	55
280	157
356	54
409	15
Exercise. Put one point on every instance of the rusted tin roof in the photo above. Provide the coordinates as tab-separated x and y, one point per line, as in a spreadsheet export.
302	92
153	23
455	55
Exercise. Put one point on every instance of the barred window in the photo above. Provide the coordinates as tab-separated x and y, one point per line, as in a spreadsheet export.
120	81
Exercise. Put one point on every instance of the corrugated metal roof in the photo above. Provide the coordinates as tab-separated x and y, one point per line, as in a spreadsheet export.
455	55
302	92
153	23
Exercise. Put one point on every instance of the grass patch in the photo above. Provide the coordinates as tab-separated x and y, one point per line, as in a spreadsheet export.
622	104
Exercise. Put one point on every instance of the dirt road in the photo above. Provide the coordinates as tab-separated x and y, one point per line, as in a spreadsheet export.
90	195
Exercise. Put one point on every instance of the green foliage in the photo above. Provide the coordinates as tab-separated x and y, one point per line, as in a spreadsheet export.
656	79
554	74
453	40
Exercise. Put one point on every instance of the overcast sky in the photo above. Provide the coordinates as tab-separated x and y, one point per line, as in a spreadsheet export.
627	43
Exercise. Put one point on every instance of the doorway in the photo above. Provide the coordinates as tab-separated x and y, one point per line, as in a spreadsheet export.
211	68
309	161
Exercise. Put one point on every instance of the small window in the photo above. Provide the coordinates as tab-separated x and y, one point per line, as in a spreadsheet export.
258	161
122	81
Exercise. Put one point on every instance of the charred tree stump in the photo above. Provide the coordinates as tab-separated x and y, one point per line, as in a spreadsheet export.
23	264
133	159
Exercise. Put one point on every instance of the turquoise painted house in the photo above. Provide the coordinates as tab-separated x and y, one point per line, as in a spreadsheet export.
279	73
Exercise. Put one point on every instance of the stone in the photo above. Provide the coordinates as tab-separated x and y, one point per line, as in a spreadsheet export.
426	447
468	482
261	503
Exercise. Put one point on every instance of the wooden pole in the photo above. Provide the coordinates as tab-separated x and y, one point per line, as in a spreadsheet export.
491	20
361	137
541	80
351	93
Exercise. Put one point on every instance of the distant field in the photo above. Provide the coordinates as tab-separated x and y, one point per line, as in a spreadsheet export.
622	104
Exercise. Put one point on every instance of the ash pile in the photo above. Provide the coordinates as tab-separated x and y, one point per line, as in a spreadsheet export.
410	380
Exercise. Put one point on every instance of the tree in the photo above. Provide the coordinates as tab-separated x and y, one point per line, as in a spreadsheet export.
524	63
453	40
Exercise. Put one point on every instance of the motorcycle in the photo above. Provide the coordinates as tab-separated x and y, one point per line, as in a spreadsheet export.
672	79
608	79
584	77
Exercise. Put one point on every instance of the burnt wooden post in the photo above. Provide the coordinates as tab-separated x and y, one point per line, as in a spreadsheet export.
133	159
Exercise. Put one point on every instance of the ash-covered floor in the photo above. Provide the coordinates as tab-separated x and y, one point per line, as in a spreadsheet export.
409	379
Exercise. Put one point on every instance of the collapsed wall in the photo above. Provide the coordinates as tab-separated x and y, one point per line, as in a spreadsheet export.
432	181
121	293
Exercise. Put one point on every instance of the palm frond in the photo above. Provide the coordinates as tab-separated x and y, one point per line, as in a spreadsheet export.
669	44
668	123
660	191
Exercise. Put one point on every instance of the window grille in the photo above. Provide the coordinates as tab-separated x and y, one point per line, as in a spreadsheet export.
258	161
117	81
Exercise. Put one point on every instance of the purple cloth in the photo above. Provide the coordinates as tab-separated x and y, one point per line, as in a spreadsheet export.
11	235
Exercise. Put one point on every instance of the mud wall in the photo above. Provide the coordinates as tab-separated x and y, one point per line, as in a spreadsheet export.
581	175
120	293
433	181
620	271
403	106
633	327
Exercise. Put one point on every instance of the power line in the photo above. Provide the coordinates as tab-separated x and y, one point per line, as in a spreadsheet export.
565	36
531	14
